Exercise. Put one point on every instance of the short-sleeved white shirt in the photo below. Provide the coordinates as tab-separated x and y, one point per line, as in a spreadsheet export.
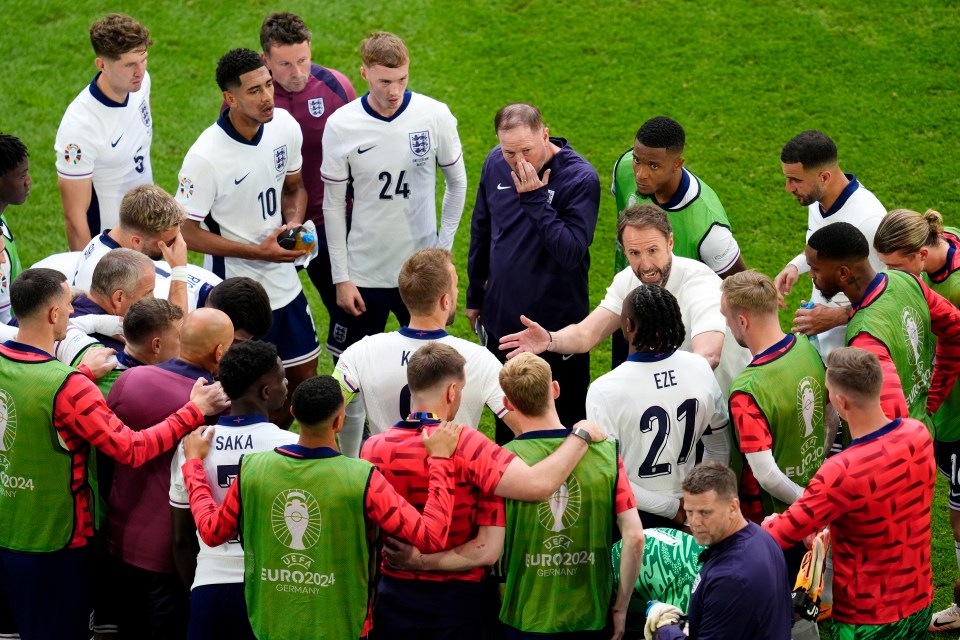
235	436
392	163
658	409
232	186
376	370
697	290
108	142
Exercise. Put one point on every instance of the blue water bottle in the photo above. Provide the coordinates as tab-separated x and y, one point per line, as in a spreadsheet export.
813	339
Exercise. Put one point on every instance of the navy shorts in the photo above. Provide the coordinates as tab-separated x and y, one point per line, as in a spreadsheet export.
294	333
346	329
948	462
48	593
219	612
435	610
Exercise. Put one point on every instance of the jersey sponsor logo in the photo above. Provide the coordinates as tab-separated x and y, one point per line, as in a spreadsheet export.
500	187
280	158
239	180
145	114
117	141
550	194
72	153
420	143
315	106
186	187
359	150
809	404
295	518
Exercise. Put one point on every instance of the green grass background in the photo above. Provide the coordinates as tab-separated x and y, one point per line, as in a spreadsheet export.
742	77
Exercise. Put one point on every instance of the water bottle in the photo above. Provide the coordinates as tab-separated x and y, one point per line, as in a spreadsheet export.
813	339
297	239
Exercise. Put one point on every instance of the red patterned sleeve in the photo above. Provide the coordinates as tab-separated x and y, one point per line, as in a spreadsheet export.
490	511
752	426
397	518
624	499
823	501
483	460
215	524
81	413
945	323
891	393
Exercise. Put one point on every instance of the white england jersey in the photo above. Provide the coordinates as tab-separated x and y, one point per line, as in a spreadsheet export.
108	142
232	186
235	436
697	290
392	164
375	370
658	409
65	263
200	283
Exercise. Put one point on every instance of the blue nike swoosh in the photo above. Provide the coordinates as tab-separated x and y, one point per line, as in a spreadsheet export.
365	150
114	144
235	181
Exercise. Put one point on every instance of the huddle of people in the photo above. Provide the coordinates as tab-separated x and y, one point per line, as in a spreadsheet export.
151	489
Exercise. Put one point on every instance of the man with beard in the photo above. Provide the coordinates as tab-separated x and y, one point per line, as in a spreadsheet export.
373	371
647	238
813	176
895	316
242	181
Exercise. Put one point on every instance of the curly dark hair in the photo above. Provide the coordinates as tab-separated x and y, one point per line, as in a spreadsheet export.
316	401
657	316
839	241
234	64
662	132
283	28
12	153
244	363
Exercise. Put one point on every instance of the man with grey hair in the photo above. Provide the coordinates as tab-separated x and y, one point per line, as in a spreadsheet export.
539	198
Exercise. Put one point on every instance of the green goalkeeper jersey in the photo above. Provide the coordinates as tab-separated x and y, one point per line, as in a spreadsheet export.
671	562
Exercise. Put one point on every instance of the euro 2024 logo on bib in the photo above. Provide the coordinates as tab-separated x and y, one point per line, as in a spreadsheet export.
560	511
295	518
8	427
809	404
910	324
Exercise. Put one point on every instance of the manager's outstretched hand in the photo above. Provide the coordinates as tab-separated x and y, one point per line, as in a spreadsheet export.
534	339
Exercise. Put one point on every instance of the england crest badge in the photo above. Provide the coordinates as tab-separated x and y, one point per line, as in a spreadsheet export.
420	143
280	158
145	114
315	105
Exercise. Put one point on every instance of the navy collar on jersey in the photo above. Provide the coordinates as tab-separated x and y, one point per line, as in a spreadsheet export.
944	272
240	421
364	102
647	356
882	431
876	287
102	97
84	306
186	369
19	346
127	360
844	196
108	241
544	433
419	420
422	334
679	194
300	451
775	351
230	130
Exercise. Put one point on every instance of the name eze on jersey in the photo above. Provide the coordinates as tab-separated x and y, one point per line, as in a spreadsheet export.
665	379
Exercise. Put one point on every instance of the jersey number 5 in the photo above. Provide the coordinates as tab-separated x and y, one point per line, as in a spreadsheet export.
402	190
656	418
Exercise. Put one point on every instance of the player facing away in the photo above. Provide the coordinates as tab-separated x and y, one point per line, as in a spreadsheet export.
373	371
408	601
876	496
241	185
103	143
387	145
308	514
15	184
311	93
674	398
920	244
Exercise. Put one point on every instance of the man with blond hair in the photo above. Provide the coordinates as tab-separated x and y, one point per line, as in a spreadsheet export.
388	145
373	371
103	143
876	496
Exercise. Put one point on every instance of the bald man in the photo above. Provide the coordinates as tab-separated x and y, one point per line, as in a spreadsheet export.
153	601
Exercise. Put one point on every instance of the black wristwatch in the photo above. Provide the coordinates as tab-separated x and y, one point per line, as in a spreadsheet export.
580	432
